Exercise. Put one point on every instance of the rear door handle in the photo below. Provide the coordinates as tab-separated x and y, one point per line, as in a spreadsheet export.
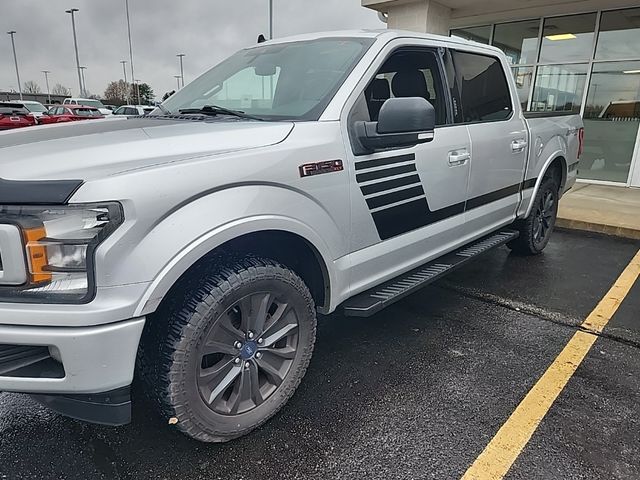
459	158
518	146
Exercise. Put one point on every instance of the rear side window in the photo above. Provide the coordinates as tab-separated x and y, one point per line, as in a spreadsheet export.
482	88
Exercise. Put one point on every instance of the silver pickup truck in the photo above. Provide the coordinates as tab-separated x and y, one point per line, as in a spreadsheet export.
192	249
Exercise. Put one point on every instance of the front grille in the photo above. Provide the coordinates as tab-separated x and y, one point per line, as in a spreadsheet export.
28	362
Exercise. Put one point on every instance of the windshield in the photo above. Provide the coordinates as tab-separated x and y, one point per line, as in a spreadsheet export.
35	107
91	103
290	81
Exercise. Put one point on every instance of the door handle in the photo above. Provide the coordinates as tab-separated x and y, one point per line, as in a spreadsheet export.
518	146
459	158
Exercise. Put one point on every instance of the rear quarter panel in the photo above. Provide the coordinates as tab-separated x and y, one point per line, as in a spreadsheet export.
550	138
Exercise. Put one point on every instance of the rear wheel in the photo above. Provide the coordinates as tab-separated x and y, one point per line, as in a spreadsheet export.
236	349
536	229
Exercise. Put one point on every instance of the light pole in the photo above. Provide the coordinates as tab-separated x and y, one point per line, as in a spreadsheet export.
133	75
177	77
46	81
72	11
270	19
137	83
181	56
84	83
124	69
15	59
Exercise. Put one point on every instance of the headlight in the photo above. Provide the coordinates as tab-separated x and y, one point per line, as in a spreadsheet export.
59	245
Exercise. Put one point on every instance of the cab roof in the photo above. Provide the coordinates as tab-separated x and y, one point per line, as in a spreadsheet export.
384	35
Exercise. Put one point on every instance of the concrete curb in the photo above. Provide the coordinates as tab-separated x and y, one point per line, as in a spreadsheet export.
613	230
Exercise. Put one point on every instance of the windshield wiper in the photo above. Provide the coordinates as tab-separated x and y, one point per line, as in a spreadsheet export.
214	110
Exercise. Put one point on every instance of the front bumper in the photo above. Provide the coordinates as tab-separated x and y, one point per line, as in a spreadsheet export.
94	359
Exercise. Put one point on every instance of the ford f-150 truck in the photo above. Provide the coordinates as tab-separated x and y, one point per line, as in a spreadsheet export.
195	247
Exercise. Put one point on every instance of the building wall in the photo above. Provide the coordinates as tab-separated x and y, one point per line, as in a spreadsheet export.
37	97
420	16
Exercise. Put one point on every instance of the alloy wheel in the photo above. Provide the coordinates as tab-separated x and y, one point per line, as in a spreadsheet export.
247	353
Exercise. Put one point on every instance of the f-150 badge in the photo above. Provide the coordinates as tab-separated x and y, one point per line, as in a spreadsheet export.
311	169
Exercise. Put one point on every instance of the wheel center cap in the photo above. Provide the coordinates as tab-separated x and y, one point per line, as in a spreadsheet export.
248	350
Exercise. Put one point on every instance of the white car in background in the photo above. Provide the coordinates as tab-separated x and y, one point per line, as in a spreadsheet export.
134	110
88	102
35	108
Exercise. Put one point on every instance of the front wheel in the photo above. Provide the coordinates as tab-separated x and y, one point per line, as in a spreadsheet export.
536	229
236	349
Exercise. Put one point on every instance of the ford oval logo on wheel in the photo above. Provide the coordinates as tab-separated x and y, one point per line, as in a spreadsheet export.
248	350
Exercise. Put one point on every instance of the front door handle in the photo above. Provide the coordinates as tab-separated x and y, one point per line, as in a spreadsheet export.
459	158
518	146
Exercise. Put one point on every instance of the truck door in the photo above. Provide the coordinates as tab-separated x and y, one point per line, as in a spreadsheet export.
407	204
499	138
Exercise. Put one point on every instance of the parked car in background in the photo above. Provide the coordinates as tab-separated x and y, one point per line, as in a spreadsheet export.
134	110
71	113
88	102
111	107
36	108
15	115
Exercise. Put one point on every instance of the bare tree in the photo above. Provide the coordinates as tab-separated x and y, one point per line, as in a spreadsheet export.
59	89
117	93
31	87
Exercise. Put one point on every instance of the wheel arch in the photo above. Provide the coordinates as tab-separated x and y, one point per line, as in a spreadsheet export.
292	247
555	165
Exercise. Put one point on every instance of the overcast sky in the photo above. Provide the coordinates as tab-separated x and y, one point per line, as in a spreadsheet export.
207	31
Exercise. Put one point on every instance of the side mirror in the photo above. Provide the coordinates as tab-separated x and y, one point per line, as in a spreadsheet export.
402	122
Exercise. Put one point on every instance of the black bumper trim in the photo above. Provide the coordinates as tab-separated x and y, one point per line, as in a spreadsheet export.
107	408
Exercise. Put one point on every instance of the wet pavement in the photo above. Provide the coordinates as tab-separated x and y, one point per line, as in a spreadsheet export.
415	392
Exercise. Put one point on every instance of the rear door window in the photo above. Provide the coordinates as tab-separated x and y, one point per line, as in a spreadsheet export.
481	88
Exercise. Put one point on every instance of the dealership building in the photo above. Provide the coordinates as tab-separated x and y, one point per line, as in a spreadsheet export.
566	56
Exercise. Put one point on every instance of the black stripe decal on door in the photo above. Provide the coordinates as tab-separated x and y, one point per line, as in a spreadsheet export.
412	215
388	172
395	197
380	162
493	196
390	184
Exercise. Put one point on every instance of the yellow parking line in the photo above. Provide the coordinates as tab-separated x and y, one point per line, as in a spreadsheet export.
505	447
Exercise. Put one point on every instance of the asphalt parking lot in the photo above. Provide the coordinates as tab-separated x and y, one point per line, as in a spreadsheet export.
416	392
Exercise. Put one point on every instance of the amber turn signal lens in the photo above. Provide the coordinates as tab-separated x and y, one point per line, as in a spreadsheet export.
37	254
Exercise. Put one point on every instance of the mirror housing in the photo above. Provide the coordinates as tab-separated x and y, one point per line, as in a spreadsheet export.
402	122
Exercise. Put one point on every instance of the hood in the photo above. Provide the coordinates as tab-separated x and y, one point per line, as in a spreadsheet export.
99	148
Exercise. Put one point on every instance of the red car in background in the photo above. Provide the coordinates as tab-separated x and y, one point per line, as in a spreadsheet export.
14	115
70	113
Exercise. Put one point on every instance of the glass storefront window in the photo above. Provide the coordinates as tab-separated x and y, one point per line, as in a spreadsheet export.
611	120
477	34
619	35
568	39
559	88
518	40
524	79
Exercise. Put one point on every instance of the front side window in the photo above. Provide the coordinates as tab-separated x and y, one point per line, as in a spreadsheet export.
289	81
482	87
408	73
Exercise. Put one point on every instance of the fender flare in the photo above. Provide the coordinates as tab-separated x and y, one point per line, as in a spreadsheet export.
558	154
222	234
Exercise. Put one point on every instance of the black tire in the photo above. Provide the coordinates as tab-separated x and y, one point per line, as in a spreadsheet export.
536	229
192	354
